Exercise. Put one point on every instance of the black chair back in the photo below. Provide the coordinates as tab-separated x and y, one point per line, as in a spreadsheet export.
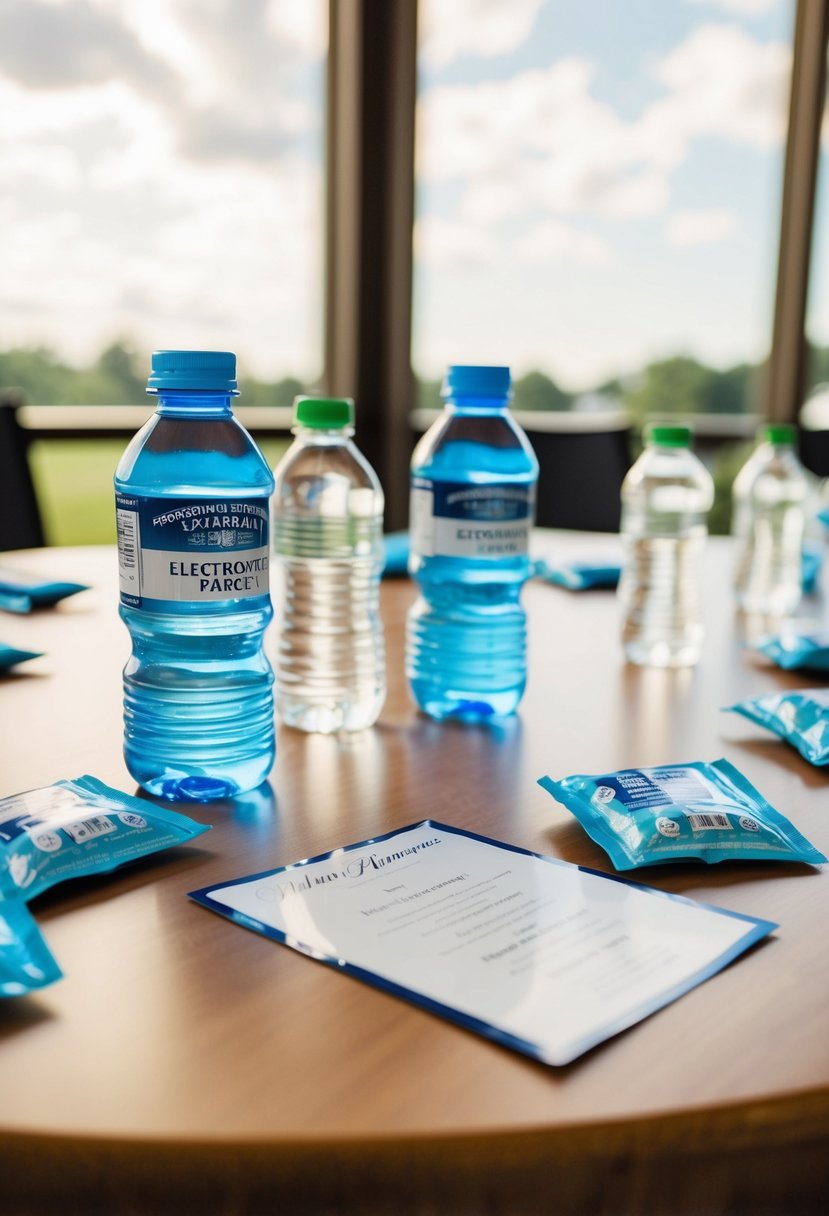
580	475
21	526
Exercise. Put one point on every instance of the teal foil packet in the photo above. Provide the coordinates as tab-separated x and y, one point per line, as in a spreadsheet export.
579	575
26	962
791	651
810	567
21	592
76	828
395	554
801	718
10	656
680	812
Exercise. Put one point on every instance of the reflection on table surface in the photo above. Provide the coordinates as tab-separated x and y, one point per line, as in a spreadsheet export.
185	1064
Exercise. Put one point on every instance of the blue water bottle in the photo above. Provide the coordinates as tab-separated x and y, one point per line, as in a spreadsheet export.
192	497
473	479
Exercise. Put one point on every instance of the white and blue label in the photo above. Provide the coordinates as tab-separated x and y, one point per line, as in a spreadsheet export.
191	550
636	790
456	519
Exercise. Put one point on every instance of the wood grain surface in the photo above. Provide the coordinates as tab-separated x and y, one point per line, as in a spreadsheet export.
184	1064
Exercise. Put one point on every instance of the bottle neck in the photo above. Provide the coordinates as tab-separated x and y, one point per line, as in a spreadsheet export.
477	405
201	402
319	434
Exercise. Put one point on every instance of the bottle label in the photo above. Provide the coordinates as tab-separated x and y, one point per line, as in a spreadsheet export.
191	550
456	519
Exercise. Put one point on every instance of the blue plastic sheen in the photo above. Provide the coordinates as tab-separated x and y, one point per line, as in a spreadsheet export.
702	811
811	564
10	656
192	491
21	591
801	718
26	963
795	651
76	828
473	478
579	575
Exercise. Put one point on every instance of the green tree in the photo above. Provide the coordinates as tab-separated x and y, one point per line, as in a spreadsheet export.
427	395
535	391
259	392
683	386
36	373
116	372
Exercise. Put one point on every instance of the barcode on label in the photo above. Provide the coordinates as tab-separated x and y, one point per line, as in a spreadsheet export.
127	538
129	552
87	829
704	823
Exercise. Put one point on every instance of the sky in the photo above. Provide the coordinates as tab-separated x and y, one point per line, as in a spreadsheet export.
161	177
598	183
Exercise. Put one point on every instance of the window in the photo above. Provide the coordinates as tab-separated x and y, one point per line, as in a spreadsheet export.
161	185
817	315
161	168
598	196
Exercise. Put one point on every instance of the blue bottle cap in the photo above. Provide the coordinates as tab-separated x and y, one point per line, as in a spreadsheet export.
463	380
193	369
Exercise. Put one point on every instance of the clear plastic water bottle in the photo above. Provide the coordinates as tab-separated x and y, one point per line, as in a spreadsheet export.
328	543
192	502
769	500
473	479
666	497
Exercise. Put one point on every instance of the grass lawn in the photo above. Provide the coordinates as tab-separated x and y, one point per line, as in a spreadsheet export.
73	478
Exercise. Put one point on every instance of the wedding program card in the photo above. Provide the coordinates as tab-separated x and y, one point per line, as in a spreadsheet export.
537	954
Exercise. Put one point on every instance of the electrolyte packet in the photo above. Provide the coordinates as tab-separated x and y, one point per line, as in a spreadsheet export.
680	812
579	575
26	963
810	566
21	592
10	656
801	718
796	650
79	827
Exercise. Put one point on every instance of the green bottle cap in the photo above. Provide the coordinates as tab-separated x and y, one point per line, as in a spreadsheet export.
324	413
664	436
781	434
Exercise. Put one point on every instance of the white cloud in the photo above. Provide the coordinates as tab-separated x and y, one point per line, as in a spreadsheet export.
115	229
539	142
551	241
700	227
448	243
302	27
743	8
473	27
721	82
540	133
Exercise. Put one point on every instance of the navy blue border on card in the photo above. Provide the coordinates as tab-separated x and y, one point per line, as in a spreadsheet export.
757	930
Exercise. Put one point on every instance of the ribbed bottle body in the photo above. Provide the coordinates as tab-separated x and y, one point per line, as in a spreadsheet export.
666	497
769	499
328	547
473	480
192	494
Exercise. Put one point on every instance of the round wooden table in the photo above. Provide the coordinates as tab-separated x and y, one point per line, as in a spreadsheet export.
184	1064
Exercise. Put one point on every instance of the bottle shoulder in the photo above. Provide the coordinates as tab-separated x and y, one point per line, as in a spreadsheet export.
459	444
674	481
326	478
667	465
340	460
183	455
